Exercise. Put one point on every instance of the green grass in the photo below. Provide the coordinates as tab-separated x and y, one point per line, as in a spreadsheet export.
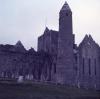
44	91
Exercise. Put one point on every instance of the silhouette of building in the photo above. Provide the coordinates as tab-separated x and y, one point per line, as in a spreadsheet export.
74	65
58	59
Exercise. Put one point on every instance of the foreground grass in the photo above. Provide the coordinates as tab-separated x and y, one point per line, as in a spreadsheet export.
44	91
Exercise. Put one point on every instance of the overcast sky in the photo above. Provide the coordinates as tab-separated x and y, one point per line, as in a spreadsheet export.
25	20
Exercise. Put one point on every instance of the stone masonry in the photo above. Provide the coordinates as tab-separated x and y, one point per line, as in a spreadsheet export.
58	59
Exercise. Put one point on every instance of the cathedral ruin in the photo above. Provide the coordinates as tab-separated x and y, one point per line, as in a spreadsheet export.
58	59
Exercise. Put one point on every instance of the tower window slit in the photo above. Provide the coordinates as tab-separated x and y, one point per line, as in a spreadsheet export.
89	66
83	65
54	67
95	66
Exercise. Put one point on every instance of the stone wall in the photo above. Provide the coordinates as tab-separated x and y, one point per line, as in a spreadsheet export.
89	63
29	64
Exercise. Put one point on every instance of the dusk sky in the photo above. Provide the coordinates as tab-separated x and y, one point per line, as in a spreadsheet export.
25	20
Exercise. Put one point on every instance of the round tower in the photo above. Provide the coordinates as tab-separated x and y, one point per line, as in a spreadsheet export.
65	57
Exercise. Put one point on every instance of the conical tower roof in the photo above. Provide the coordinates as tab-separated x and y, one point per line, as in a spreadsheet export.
65	7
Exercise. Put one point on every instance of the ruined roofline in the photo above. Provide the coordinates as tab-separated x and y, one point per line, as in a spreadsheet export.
18	47
87	38
47	30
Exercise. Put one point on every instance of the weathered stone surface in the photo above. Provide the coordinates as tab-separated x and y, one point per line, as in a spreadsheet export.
58	58
89	63
65	56
68	58
27	64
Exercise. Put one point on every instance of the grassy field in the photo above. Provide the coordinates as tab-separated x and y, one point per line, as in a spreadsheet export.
44	91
